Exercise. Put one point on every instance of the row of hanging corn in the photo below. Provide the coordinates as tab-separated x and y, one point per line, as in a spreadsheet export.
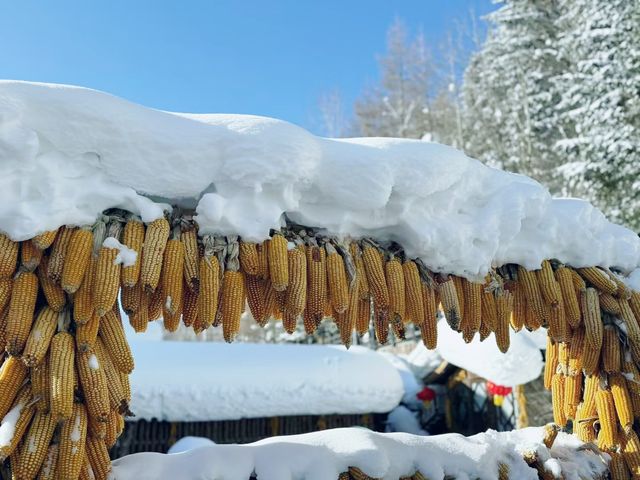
64	380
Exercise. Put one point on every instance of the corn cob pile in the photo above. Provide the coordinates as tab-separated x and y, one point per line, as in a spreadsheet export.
64	376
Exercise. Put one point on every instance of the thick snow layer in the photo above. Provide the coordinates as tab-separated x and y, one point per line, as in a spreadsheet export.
521	364
126	256
401	419
189	443
68	153
191	381
323	455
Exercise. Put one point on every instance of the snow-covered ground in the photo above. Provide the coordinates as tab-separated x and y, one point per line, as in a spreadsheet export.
68	153
324	455
187	381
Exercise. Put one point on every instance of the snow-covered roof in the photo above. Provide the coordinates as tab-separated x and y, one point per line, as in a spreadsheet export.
324	455
192	381
69	153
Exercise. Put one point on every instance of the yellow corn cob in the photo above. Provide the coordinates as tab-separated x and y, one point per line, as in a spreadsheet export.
504	308
296	296
576	352
87	333
414	303
599	279
256	297
558	326
590	360
611	354
86	473
520	307
348	324
3	331
8	256
30	256
572	394
473	309
583	426
189	306
631	327
591	317
278	269
83	306
53	292
459	284
130	299
126	386
563	356
569	297
396	288
617	468
316	284
6	284
557	394
591	385
154	305
551	431
112	429
171	276
263	259
77	259
233	298
489	310
61	361
40	377
112	334
94	385
449	299
337	280
45	239
364	316
551	363
608	419
73	435
208	290
249	260
133	237
189	239
621	400
155	241
98	456
21	308
631	453
609	303
356	255
49	465
531	321
529	282
106	282
376	277
634	303
58	253
117	396
41	334
96	428
548	286
36	443
24	409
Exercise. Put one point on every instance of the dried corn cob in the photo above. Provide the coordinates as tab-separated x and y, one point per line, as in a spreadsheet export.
6	284
576	352
548	286
30	256
133	236
569	297
617	468
50	463
348	324
73	435
609	303
356	255
106	282
58	253
154	305
112	334
551	363
41	384
557	393
504	307
249	261
94	385
608	419
278	268
8	256
520	307
591	385
130	299
591	318
396	288
263	259
22	408
87	333
208	290
631	453
155	241
36	443
296	295
621	400
558	326
53	292
611	354
459	283
233	298
572	394
316	284
172	274
599	279
529	282
40	337
189	239
472	318
189	306
61	361
364	316
112	432
77	259
117	395
256	297
450	305
414	303
45	239
21	308
98	456
83	306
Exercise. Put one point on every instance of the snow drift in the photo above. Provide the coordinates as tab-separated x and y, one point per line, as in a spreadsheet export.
68	153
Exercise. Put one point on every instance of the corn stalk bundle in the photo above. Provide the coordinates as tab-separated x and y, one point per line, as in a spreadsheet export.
65	360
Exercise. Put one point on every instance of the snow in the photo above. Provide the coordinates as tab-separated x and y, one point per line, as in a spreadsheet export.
8	424
189	443
93	362
410	382
126	256
76	434
401	419
324	455
68	153
633	281
193	381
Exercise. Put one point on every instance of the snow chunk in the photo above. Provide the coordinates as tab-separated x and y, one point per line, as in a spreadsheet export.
401	419
310	380
69	153
189	443
8	425
93	362
126	256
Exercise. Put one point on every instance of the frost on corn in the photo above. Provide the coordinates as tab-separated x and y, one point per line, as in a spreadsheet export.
126	256
93	362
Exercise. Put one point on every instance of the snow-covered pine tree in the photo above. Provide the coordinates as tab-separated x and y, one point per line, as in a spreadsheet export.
509	92
600	107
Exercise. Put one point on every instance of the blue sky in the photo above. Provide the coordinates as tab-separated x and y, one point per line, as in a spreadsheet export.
271	58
